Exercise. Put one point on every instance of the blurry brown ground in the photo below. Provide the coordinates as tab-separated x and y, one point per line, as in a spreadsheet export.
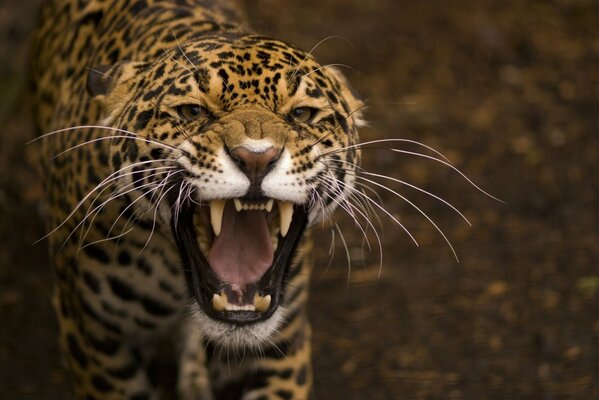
509	91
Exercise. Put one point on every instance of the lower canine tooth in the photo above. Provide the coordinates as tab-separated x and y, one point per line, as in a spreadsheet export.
216	215
219	302
261	303
285	216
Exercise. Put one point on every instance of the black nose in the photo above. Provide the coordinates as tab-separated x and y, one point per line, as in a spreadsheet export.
255	165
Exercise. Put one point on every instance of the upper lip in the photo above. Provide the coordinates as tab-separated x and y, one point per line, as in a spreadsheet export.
203	282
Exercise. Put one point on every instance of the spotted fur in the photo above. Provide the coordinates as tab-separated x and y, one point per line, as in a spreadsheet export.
141	103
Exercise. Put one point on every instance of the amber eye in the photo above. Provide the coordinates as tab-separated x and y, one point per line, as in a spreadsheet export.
191	112
304	114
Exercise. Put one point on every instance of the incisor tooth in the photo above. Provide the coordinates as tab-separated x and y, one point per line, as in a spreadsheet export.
285	216
269	204
261	303
238	205
219	302
217	207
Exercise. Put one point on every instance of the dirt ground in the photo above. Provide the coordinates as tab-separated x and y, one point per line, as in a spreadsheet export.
509	91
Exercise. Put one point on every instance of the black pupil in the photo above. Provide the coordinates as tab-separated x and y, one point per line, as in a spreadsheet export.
193	110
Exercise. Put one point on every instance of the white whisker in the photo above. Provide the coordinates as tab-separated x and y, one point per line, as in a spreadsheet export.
417	208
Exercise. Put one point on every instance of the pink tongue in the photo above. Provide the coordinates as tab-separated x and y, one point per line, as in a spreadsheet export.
243	251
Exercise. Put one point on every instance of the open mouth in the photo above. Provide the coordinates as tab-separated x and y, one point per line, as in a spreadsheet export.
237	254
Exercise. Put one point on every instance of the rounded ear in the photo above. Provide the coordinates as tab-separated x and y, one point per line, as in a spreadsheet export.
354	102
102	79
98	80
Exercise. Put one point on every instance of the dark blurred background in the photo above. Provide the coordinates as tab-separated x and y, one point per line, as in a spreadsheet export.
508	90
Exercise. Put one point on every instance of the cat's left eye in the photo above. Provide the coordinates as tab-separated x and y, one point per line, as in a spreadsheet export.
304	114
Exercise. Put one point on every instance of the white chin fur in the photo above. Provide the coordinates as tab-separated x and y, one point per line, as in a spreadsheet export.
237	337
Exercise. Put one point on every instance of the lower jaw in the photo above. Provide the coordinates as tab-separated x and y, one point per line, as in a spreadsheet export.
204	286
238	336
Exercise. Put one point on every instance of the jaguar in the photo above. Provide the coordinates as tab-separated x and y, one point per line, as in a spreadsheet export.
185	159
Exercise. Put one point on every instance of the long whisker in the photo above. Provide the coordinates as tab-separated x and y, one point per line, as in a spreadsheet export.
102	138
417	208
104	182
123	232
452	167
348	207
120	191
155	186
363	171
182	51
99	207
328	65
365	197
331	254
390	140
81	127
364	215
346	253
295	72
445	161
172	57
156	212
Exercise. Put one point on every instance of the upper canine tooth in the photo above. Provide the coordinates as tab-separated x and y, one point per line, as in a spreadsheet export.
285	216
217	207
269	204
238	205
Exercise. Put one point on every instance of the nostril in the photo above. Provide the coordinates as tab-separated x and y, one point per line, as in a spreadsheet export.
239	162
255	164
273	159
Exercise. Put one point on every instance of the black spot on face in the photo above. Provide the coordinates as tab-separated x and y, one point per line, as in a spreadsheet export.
284	394
96	253
155	307
91	281
101	384
132	150
121	289
156	154
126	372
301	377
106	346
116	161
143	118
124	258
76	351
144	266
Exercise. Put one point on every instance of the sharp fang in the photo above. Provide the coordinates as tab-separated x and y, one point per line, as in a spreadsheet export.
217	207
269	204
238	205
219	302
261	303
285	216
